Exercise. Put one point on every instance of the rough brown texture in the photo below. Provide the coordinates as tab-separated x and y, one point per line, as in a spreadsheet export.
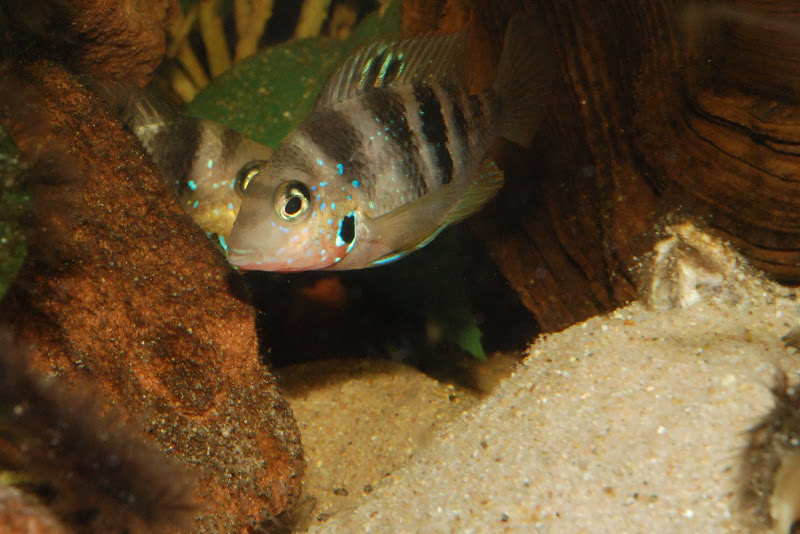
91	462
120	39
121	289
659	106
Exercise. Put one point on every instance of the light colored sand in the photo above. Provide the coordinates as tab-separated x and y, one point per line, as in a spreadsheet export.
361	420
626	423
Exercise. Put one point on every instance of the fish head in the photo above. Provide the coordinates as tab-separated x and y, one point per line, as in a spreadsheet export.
292	220
212	191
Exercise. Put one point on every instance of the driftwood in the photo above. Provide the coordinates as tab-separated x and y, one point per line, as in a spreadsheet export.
661	107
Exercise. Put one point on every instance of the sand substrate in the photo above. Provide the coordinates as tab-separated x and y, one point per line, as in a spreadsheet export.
625	423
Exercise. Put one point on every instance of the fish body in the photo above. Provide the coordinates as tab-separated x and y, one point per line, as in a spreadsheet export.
394	151
204	162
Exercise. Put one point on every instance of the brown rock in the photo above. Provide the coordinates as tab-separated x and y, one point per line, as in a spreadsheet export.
120	39
121	289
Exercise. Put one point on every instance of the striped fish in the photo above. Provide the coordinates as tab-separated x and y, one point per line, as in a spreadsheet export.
394	150
203	161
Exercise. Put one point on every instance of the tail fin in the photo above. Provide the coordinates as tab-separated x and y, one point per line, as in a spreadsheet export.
526	73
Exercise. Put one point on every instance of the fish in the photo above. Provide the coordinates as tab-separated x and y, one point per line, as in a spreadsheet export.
394	150
204	162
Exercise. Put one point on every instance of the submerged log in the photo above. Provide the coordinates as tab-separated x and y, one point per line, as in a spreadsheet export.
662	108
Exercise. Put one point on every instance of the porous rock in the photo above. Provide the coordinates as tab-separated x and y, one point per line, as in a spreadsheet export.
120	289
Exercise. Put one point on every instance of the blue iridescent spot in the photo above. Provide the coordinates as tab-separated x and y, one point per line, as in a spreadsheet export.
320	162
313	187
196	203
210	163
192	185
319	197
230	205
322	207
340	168
215	185
349	197
323	184
356	183
333	205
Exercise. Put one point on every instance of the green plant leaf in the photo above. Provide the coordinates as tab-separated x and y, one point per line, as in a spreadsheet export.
268	94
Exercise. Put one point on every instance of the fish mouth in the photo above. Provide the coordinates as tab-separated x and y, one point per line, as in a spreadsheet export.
245	259
250	260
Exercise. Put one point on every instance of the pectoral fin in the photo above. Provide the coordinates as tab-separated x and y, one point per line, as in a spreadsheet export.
417	223
479	192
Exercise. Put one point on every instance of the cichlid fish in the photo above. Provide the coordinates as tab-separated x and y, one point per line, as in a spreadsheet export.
203	161
394	150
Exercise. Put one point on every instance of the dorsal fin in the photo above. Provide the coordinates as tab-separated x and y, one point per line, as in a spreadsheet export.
384	63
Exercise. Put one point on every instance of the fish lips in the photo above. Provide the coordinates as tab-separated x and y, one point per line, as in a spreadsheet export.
252	260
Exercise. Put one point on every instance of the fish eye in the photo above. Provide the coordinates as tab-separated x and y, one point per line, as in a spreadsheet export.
292	200
248	171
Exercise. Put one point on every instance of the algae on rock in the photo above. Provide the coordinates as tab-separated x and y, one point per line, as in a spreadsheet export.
15	203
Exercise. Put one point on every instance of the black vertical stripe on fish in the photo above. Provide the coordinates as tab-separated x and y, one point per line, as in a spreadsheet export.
486	106
230	141
460	126
481	113
173	150
434	128
475	109
293	157
339	142
387	107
